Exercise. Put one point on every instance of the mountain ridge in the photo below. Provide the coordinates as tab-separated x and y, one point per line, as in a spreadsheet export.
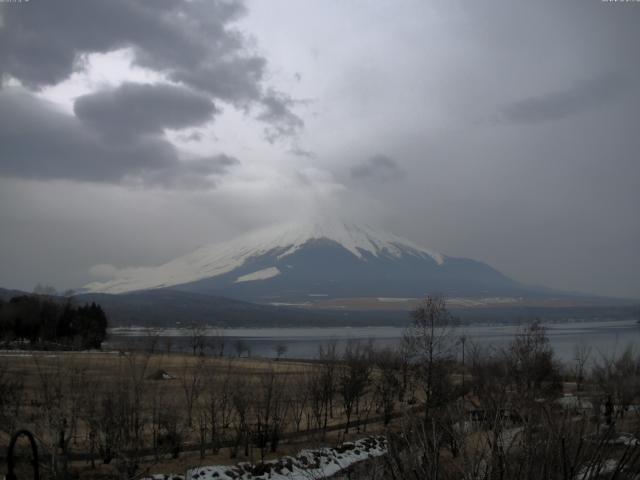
335	259
283	240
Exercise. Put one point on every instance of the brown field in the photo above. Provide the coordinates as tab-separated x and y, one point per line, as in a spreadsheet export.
69	392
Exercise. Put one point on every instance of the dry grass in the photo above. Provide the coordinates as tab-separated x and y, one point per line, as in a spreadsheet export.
89	375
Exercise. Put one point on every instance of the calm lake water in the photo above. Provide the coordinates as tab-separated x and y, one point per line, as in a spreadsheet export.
604	337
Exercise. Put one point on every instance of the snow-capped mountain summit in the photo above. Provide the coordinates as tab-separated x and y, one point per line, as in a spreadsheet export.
328	259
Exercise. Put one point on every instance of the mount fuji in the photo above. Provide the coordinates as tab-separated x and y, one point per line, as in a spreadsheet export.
316	261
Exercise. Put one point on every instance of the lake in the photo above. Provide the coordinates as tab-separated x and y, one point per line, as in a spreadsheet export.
604	337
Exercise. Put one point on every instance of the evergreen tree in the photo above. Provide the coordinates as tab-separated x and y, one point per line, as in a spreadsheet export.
43	319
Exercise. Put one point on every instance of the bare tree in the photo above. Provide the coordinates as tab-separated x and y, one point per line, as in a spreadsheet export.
269	411
158	407
328	357
430	341
168	345
218	343
217	393
619	378
280	349
59	397
11	398
386	381
531	363
462	341
152	340
241	346
240	399
558	447
132	399
299	388
191	383
197	335
353	378
88	414
172	433
318	403
581	354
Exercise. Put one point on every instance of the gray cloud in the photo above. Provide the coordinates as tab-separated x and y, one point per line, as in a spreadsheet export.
192	174
236	80
191	137
581	97
43	43
277	113
133	109
40	142
298	151
377	168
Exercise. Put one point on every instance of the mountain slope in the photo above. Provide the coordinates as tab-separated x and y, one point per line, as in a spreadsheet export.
332	259
169	308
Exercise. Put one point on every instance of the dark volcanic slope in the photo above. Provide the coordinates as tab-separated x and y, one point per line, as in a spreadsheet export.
325	268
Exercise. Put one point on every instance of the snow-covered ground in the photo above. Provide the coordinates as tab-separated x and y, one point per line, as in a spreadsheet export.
603	469
572	402
509	436
306	465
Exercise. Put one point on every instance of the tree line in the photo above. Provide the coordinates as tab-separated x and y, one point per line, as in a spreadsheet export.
42	320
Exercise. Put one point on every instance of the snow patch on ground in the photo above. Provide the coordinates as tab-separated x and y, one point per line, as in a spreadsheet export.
571	402
259	275
595	471
307	464
509	436
627	439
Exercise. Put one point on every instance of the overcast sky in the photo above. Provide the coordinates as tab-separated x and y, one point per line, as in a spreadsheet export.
133	132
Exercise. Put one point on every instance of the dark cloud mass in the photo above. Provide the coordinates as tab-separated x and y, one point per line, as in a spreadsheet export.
117	132
133	109
41	142
43	43
236	80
